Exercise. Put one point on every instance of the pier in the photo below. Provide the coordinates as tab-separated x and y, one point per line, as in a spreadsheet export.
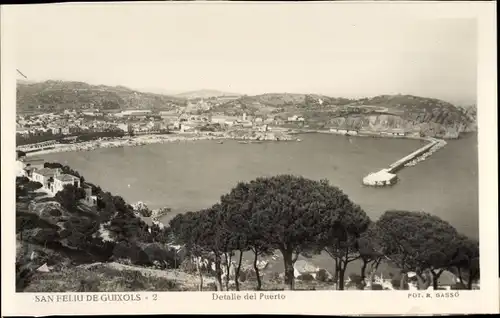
388	175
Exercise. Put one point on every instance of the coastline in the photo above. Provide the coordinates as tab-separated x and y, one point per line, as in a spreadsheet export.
247	136
131	141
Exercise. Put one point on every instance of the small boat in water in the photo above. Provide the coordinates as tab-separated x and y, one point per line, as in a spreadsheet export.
243	142
299	140
220	142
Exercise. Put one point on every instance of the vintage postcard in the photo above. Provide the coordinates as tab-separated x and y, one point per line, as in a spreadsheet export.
326	158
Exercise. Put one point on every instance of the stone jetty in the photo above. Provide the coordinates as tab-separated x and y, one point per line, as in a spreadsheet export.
387	176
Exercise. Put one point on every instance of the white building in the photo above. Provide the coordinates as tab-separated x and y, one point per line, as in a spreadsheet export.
45	176
62	180
380	178
136	112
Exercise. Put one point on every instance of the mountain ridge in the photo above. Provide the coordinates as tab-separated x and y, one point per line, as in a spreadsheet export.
318	110
205	93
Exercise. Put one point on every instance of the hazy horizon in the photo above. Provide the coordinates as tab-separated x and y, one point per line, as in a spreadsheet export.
173	49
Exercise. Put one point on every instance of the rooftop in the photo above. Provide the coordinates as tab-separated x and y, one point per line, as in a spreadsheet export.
46	172
66	178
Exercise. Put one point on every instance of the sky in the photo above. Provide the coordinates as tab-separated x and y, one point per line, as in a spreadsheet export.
249	49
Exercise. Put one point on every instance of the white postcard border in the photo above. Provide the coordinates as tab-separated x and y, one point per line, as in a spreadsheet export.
485	300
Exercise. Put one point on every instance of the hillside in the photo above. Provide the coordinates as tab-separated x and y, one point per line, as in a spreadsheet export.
61	95
205	93
432	116
436	117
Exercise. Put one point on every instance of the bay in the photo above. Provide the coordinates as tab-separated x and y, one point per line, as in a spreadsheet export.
192	175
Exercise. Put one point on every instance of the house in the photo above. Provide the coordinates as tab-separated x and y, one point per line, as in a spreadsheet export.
184	128
61	180
296	118
263	128
398	132
45	176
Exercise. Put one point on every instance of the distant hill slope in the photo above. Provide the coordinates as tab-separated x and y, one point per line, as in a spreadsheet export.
319	110
59	95
205	93
433	116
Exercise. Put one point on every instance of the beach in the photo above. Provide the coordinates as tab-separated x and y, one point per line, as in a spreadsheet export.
141	140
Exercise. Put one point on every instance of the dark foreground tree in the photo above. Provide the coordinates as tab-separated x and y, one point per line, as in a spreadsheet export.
200	233
419	242
341	241
467	261
370	252
247	228
69	196
291	214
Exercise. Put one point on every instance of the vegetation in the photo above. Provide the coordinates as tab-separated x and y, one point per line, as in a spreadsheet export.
61	95
422	243
286	214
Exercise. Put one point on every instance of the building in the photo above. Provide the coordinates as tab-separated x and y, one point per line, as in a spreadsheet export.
45	176
398	132
380	178
62	180
136	112
186	128
89	198
295	118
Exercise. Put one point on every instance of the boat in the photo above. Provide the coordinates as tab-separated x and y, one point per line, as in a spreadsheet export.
299	140
220	142
243	142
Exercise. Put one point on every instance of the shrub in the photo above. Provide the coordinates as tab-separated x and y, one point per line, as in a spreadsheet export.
24	276
306	277
89	285
131	251
322	275
22	180
28	221
55	213
458	286
396	283
188	266
32	185
40	236
377	287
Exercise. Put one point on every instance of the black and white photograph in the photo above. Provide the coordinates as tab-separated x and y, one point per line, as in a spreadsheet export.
187	148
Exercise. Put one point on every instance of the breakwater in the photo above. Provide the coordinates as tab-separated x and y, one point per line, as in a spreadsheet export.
387	176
